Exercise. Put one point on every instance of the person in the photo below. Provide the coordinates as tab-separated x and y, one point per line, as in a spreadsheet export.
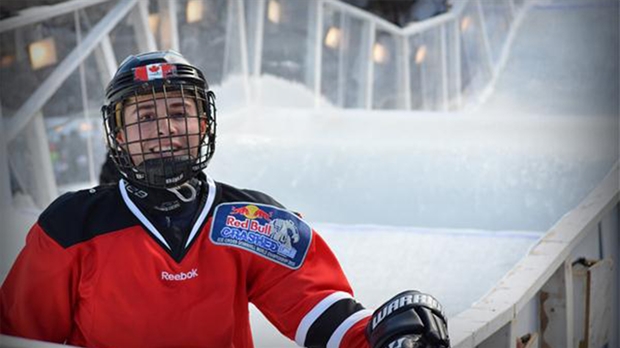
425	9
170	257
403	12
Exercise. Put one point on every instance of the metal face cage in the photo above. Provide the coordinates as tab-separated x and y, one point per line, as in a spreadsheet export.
161	135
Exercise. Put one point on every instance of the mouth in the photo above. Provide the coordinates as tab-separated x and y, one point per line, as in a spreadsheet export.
166	150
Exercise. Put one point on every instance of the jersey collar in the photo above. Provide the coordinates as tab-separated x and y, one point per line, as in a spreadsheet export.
151	228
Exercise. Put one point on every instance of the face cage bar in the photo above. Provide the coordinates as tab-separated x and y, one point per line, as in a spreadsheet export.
169	167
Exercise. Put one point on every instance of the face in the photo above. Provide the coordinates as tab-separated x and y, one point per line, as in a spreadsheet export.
157	127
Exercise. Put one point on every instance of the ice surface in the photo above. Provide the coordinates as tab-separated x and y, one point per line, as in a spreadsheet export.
483	171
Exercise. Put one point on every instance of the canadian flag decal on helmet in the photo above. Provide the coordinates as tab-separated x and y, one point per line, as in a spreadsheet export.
153	71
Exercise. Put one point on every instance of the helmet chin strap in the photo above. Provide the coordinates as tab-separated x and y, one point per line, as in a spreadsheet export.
177	192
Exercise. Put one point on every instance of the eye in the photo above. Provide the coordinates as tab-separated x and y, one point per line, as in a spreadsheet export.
177	114
147	116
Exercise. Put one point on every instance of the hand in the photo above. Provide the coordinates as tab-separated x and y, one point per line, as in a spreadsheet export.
409	319
408	341
411	341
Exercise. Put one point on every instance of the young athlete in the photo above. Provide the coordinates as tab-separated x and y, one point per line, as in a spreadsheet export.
169	257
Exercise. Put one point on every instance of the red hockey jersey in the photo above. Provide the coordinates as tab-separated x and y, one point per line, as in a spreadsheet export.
96	272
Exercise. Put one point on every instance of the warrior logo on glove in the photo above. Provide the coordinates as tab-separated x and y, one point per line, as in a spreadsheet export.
409	319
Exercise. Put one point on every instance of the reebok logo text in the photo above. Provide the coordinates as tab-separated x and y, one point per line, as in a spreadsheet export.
179	276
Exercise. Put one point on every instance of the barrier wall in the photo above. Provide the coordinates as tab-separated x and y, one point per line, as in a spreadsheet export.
564	293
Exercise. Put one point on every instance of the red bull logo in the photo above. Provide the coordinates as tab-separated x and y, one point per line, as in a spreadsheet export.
251	212
248	224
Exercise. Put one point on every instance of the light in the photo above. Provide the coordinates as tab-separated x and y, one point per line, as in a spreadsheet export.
465	23
194	11
274	11
85	127
420	54
7	61
42	53
332	39
153	22
380	54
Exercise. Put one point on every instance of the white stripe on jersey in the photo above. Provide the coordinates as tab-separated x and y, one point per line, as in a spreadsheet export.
336	338
308	320
203	214
137	213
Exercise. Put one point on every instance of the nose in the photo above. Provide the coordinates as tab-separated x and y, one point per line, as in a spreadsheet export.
166	126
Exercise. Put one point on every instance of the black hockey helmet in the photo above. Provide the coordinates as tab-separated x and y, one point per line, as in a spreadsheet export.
142	82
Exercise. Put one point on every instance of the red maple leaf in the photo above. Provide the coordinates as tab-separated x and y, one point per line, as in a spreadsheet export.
154	68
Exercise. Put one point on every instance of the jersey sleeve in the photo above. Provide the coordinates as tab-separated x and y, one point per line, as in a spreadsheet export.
312	305
37	297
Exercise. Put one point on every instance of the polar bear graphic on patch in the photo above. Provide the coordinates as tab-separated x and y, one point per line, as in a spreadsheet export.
285	232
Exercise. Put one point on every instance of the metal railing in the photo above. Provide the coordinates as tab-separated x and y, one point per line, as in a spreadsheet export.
361	61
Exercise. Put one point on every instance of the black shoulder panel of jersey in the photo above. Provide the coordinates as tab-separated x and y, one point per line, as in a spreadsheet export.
79	216
229	193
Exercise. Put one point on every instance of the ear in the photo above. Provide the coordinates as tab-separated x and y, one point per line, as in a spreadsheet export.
120	137
203	126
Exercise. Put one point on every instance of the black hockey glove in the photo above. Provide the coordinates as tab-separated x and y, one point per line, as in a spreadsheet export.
410	319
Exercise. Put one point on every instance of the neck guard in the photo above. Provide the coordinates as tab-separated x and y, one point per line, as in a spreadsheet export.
172	201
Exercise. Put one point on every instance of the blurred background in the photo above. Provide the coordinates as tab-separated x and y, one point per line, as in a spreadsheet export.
443	138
